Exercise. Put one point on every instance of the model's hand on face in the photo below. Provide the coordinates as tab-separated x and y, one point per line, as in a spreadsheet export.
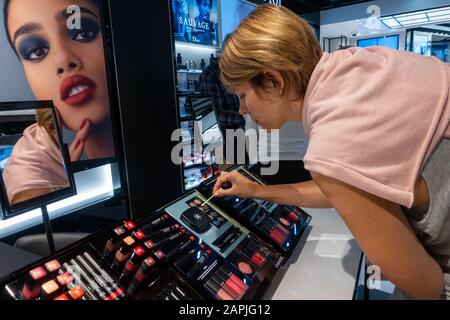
76	149
241	186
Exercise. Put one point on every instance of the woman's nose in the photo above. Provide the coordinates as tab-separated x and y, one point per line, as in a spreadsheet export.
66	60
243	109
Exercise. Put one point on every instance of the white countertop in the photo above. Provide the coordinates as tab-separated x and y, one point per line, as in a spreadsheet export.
324	265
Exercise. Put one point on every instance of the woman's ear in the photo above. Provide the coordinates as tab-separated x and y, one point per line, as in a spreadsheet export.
275	80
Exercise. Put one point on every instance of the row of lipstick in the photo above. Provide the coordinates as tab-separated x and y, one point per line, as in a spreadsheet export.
80	278
138	249
184	252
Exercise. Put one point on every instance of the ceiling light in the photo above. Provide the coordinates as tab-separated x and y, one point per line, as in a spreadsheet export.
417	18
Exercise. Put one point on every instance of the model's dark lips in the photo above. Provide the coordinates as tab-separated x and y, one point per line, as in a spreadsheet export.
77	90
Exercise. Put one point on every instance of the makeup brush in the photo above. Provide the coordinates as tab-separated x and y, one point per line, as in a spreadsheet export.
225	186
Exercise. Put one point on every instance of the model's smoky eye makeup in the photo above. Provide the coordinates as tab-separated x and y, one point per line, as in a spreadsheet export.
88	31
33	48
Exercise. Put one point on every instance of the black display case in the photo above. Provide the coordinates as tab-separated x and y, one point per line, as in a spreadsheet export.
179	252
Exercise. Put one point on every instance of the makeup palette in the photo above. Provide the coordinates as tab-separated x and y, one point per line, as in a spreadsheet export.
281	226
229	249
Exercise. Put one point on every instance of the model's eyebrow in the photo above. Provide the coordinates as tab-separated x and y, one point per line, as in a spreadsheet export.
26	29
64	15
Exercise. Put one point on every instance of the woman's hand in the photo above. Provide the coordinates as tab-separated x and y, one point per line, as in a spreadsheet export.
241	186
76	149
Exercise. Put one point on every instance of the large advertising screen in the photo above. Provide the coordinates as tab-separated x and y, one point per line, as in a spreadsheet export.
195	21
54	50
233	12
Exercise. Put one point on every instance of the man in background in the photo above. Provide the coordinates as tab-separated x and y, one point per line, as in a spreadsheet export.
225	105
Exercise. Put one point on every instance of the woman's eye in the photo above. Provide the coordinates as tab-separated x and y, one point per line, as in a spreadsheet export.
84	36
37	54
88	31
33	49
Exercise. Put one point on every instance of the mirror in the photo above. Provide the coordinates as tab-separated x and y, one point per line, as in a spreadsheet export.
33	160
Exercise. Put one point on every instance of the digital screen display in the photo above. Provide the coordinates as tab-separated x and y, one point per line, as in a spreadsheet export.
195	21
233	12
33	160
54	50
389	42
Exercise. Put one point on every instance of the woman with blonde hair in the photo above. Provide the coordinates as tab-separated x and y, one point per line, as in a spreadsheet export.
36	166
378	124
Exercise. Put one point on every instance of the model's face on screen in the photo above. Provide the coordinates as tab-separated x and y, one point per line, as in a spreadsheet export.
63	65
205	7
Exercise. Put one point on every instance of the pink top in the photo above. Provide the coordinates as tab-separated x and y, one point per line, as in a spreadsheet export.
35	163
374	116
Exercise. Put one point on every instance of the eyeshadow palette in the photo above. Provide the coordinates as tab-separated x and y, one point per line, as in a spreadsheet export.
185	250
281	226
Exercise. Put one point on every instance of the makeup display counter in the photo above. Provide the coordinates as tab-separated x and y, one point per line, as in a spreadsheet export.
226	249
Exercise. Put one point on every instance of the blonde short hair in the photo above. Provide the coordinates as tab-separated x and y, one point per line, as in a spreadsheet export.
44	117
271	38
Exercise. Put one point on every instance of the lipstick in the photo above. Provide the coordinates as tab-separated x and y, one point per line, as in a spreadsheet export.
77	90
64	279
135	259
32	285
114	241
145	270
216	291
52	268
164	241
124	251
76	293
275	231
129	225
150	226
226	274
254	256
50	290
229	286
62	297
178	250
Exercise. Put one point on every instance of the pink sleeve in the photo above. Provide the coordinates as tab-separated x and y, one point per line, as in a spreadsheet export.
374	116
35	163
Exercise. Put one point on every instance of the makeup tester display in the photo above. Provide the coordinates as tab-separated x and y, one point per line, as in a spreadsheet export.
186	250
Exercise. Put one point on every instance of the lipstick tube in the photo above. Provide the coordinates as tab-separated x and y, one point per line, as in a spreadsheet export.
225	273
147	267
33	282
150	245
133	262
50	290
114	241
229	286
178	250
216	291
